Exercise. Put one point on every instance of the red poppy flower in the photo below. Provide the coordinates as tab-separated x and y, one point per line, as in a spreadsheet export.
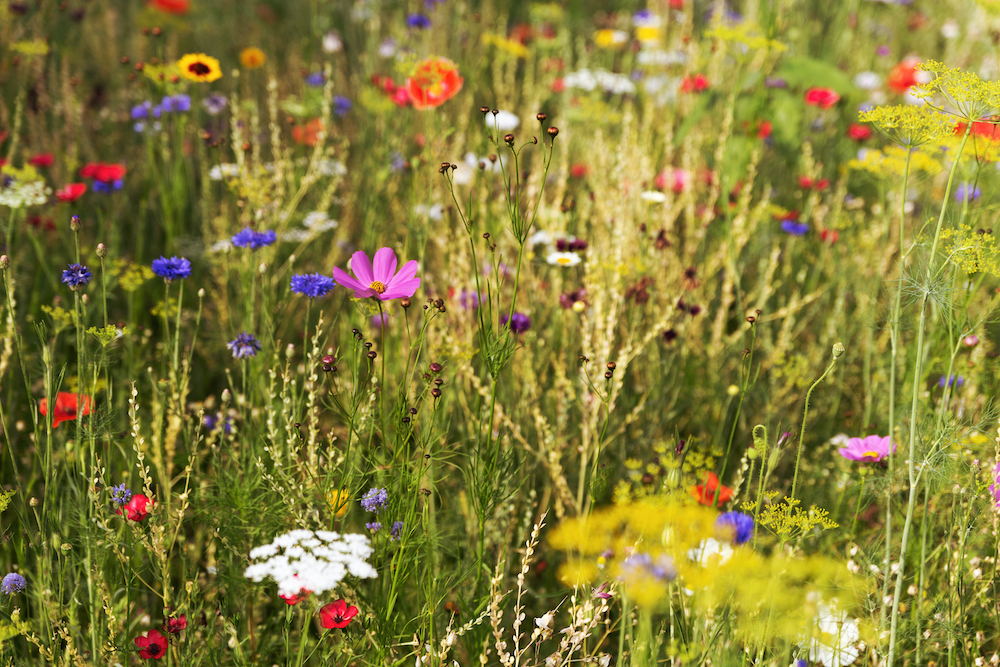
67	406
829	236
175	625
41	160
308	134
578	170
986	128
705	493
903	76
71	192
337	614
558	86
153	645
858	132
137	508
824	98
177	7
103	172
434	82
676	4
805	182
764	129
694	84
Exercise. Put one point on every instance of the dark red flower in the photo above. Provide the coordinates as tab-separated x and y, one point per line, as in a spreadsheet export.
829	235
67	406
175	625
152	646
41	160
137	508
764	129
177	7
805	182
858	132
705	493
337	614
824	98
295	599
71	192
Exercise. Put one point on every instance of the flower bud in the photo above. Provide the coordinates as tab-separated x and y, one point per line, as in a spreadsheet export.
405	303
541	117
227	396
74	223
509	139
838	349
201	293
436	393
102	250
4	262
553	131
484	110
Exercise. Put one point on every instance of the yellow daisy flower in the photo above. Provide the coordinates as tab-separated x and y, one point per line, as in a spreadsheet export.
252	58
199	67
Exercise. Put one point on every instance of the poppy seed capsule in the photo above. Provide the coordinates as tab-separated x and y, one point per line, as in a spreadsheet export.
541	117
552	132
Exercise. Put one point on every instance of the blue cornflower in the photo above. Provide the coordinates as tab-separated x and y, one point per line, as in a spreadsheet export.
341	105
397	162
121	494
211	421
738	524
794	228
316	79
76	276
397	528
178	103
214	104
518	323
171	269
952	381
108	188
374	526
421	21
13	583
312	284
374	500
141	110
249	238
967	192
245	345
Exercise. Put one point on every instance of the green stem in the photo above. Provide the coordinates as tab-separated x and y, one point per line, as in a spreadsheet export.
805	413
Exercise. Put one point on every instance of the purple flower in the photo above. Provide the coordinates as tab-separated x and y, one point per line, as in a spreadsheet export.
794	228
245	345
397	162
312	284
341	105
397	528
519	323
737	526
140	111
775	82
952	381
178	103
170	269
214	104
421	21
13	583
639	564
107	188
76	276
882	50
249	238
375	500
599	592
374	526
211	421
121	494
316	79
967	192
468	299
871	449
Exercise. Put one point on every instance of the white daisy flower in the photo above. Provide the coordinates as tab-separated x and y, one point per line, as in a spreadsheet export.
563	258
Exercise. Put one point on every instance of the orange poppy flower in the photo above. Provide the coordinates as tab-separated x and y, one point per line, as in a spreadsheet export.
705	493
308	134
434	82
67	407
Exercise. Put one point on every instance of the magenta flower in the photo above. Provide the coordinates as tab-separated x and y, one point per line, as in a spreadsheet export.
870	449
994	488
379	280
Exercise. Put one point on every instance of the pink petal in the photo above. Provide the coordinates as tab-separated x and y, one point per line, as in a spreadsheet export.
362	267
385	265
347	281
364	293
399	290
405	274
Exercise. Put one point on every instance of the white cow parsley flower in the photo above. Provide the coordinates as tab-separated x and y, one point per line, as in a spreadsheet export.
313	561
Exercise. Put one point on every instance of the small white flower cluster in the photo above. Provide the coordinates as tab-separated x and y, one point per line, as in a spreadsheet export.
584	79
319	221
331	168
226	171
314	561
661	57
834	638
24	193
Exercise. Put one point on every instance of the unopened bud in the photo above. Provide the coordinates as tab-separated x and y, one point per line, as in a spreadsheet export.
484	110
541	117
227	396
102	250
201	293
509	139
262	268
552	132
405	303
74	223
838	349
4	262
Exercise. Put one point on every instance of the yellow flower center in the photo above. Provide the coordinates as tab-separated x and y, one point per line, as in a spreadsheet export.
565	260
378	287
868	453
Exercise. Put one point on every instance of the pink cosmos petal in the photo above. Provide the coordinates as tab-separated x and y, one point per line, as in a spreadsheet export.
384	265
347	281
362	267
405	274
400	290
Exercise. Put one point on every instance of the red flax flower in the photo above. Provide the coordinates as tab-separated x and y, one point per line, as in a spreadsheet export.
694	84
705	493
175	625
434	82
137	508
177	7
153	645
337	615
824	98
67	407
71	192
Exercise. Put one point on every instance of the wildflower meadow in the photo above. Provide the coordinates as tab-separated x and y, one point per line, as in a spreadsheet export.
513	333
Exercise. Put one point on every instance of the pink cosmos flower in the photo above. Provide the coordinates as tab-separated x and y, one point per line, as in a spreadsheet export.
870	449
379	280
